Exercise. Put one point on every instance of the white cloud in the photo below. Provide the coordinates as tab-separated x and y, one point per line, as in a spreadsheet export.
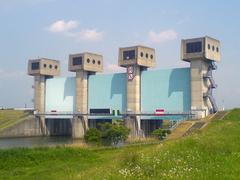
71	29
91	34
162	36
62	26
114	68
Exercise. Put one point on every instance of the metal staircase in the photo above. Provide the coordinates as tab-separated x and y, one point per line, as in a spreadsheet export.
208	94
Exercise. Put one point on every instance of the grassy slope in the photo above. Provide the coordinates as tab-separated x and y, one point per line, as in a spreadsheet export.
213	153
10	117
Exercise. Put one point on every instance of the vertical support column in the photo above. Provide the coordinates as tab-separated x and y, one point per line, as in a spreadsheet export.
134	102
201	52
39	100
199	86
80	123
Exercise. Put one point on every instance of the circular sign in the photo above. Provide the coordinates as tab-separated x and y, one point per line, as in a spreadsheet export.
130	69
130	76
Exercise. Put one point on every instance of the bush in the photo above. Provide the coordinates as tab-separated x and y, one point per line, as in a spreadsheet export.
108	134
113	133
93	135
117	134
161	133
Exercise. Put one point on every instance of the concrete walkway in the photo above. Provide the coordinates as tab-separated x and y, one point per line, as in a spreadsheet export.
188	127
180	130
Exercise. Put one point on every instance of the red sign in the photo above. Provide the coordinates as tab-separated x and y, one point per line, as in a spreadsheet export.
159	112
130	70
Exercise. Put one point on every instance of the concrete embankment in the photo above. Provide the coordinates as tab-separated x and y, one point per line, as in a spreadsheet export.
27	127
31	126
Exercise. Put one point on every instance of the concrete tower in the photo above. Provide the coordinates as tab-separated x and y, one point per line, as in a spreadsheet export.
202	53
135	59
42	69
83	64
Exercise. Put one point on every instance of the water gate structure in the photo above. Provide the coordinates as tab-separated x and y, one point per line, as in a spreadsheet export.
71	105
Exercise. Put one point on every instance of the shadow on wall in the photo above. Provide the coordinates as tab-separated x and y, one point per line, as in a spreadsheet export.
119	86
59	127
179	81
69	89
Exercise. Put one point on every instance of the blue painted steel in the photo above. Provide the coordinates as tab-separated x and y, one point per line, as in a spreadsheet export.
168	89
60	95
108	91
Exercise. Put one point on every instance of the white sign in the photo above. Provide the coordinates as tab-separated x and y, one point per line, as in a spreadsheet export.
130	70
130	76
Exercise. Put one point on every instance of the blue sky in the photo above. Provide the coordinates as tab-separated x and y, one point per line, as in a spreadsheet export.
56	28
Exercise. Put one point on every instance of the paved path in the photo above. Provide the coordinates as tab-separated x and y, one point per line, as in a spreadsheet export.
188	127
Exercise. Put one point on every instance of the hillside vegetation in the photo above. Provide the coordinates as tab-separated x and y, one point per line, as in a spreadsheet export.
211	153
11	117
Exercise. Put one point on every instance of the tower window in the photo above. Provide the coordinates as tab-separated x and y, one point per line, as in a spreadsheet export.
217	49
146	55
141	54
151	56
56	66
45	65
50	66
194	47
93	61
99	62
209	47
35	66
128	55
88	60
77	61
213	48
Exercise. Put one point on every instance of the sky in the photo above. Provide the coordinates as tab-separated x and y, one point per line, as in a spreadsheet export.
54	29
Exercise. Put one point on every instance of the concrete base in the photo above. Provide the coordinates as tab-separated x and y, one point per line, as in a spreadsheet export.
43	128
26	128
79	127
133	123
35	126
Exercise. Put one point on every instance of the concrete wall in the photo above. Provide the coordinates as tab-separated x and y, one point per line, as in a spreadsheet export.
199	87
39	93
32	127
26	128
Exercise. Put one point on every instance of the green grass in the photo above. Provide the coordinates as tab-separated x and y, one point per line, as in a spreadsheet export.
11	117
212	153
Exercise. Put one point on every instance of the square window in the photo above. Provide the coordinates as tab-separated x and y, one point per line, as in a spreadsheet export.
194	47
35	65
77	61
127	55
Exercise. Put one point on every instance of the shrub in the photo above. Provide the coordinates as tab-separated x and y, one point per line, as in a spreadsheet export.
108	134
113	133
93	135
161	133
118	134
